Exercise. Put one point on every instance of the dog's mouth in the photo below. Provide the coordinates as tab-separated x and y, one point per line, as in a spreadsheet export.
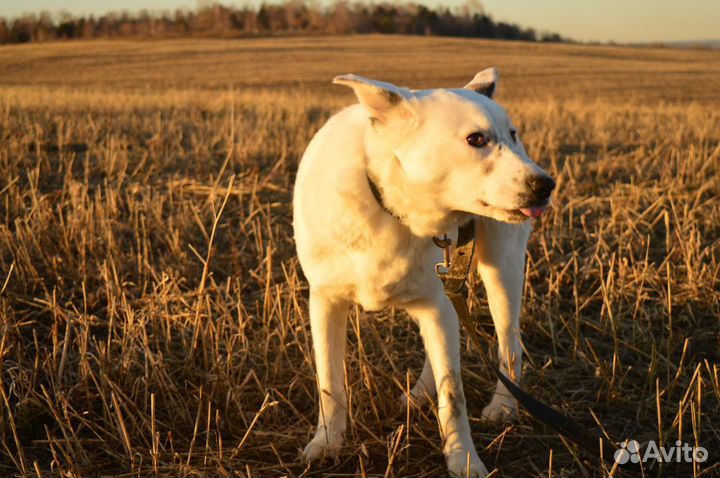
520	214
533	211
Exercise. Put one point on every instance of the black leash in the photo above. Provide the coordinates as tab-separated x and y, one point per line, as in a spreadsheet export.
454	277
454	271
454	281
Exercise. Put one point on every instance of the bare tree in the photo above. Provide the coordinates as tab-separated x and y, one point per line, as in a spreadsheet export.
293	16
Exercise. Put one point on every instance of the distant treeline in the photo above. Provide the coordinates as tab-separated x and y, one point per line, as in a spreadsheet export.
291	17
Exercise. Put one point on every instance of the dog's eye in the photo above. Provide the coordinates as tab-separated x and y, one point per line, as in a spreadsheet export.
513	135
477	140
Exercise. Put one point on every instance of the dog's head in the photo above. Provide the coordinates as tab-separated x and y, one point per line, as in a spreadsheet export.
458	145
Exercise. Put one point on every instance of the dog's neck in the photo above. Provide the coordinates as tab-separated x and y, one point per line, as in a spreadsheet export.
413	205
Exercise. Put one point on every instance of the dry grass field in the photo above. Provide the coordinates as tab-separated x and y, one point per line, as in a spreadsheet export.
153	316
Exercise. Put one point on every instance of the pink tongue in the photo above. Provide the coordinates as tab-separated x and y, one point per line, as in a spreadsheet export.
533	211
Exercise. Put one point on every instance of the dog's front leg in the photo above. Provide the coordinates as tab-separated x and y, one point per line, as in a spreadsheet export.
440	331
328	323
501	264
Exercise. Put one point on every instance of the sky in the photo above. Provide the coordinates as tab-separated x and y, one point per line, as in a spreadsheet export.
622	21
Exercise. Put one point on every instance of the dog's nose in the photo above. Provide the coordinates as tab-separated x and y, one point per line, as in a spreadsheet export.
541	186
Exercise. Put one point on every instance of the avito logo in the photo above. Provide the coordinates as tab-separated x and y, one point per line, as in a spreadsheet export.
682	452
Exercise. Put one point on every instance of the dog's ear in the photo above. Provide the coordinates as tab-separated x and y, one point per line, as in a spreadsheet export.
485	82
382	100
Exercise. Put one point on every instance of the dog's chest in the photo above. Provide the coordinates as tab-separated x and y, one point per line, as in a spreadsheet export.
395	271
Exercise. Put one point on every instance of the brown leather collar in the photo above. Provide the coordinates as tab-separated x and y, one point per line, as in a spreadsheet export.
377	194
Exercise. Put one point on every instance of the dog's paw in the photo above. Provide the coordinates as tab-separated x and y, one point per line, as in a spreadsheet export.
324	444
419	395
402	401
501	409
417	399
466	464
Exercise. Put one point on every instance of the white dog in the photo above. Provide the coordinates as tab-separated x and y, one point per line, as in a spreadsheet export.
435	159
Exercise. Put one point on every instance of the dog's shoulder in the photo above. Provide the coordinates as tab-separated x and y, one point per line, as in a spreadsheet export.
347	125
331	189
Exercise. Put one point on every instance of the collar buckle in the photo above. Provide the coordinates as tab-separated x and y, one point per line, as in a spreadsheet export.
442	268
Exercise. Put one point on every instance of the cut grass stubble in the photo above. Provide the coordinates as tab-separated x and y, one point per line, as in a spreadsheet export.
154	317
